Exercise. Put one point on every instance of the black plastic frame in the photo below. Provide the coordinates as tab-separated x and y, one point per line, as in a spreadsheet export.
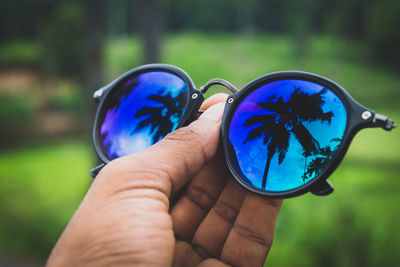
319	185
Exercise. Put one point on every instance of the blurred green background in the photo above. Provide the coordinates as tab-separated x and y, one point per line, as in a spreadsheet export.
54	54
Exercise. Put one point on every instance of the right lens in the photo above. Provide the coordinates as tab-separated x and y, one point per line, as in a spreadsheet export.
284	134
140	111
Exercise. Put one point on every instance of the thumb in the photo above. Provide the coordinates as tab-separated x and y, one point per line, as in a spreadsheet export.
170	163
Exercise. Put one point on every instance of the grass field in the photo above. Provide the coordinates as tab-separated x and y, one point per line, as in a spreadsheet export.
42	184
40	187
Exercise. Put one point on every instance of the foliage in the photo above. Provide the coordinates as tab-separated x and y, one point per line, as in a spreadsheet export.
59	23
69	98
121	55
19	53
382	34
62	42
15	109
40	187
21	19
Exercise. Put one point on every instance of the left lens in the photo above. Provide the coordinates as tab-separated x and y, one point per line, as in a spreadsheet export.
284	133
140	111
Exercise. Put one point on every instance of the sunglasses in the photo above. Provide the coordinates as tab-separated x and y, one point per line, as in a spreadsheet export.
282	135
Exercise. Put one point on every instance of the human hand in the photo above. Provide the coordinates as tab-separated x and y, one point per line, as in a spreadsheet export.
126	217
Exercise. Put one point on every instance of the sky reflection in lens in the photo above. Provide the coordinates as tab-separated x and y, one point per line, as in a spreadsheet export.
140	112
284	133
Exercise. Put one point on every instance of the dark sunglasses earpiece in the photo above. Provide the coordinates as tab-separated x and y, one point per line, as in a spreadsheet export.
283	134
322	188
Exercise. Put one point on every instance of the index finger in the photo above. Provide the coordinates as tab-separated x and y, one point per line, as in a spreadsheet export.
214	99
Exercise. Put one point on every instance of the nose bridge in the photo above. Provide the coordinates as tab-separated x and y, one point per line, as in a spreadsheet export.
218	81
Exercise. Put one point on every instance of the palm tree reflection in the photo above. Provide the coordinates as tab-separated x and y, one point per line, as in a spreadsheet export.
318	164
284	118
162	114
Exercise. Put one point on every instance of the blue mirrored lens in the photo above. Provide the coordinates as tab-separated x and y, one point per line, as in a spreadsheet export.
284	133
140	112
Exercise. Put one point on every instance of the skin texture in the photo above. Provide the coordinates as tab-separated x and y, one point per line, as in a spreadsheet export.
127	218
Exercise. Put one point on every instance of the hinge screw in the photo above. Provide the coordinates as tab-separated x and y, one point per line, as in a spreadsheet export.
366	115
97	94
194	96
230	100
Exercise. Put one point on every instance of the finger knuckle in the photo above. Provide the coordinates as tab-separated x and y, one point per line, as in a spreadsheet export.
184	135
252	236
202	251
225	211
200	197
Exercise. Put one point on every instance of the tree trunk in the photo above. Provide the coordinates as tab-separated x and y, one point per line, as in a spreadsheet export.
301	29
264	182
305	166
246	16
151	29
94	14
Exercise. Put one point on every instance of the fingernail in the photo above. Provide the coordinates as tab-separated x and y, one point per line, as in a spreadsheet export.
214	112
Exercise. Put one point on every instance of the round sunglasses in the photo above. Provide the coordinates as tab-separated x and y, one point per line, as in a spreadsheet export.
282	134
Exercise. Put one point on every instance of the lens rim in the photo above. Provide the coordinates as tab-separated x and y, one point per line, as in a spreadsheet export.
192	103
354	123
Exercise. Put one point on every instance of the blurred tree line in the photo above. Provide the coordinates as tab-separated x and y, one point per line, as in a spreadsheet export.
58	27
